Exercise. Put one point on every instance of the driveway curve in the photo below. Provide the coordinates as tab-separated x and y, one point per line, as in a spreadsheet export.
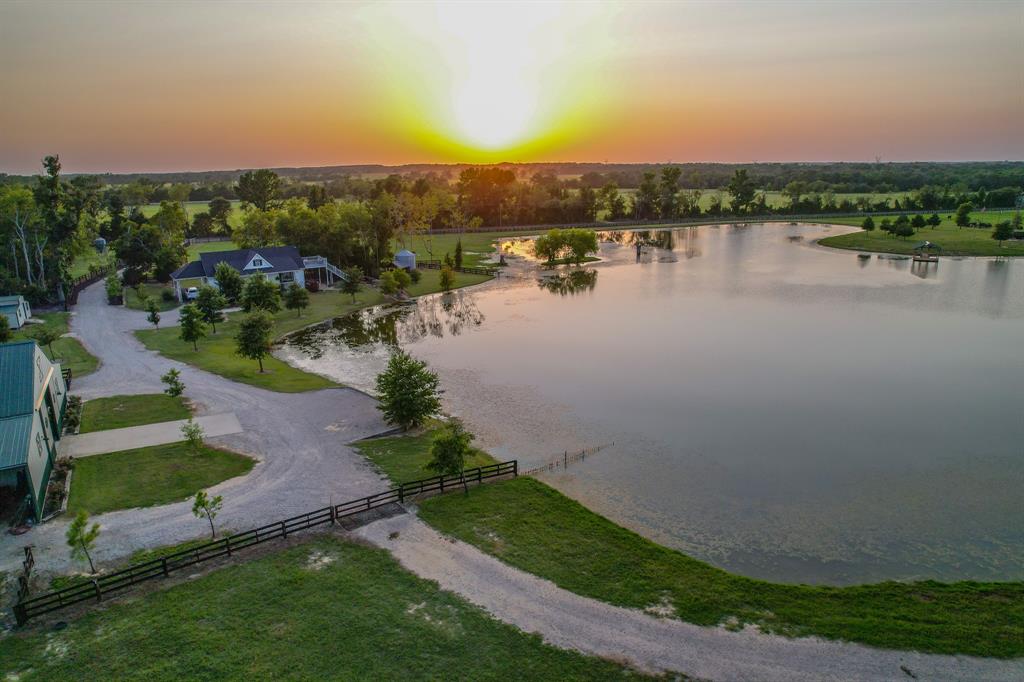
299	440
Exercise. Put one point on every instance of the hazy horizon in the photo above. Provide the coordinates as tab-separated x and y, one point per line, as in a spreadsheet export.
161	88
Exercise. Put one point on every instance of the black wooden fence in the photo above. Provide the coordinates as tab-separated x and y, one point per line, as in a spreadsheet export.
95	589
436	265
76	285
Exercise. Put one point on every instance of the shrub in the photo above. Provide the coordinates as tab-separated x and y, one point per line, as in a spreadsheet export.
415	275
168	295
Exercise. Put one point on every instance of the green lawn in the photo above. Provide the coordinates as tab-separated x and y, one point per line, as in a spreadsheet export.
535	528
955	241
207	247
193	207
327	609
217	352
119	411
67	350
404	458
83	261
149	476
153	290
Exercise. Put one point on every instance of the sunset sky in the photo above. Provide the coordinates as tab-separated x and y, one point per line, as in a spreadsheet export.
169	86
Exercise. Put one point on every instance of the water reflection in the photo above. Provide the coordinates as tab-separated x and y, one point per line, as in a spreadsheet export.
570	283
923	269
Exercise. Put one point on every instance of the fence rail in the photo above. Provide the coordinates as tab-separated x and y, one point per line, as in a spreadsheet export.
567	458
436	265
95	589
76	285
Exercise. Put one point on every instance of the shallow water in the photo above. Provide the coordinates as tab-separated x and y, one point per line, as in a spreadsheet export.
779	409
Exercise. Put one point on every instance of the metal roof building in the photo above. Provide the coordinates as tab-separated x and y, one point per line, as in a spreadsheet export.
33	397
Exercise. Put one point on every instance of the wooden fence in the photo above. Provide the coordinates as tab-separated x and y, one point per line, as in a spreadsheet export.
436	265
76	285
567	458
94	589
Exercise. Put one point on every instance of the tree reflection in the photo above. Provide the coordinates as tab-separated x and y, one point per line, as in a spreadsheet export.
570	283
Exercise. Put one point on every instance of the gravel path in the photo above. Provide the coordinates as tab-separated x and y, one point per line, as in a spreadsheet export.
570	621
298	438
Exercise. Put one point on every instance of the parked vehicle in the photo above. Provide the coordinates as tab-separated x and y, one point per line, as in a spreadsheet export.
192	293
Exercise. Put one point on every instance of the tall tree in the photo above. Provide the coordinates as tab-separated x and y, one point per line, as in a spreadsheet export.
261	293
220	210
646	201
742	189
669	187
407	391
259	188
317	196
963	214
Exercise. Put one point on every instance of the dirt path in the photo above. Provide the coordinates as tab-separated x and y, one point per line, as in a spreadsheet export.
570	621
299	440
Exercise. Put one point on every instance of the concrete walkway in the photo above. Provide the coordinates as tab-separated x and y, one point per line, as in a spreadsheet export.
131	437
570	621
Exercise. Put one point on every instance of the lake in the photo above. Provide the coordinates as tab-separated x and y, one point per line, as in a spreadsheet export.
778	409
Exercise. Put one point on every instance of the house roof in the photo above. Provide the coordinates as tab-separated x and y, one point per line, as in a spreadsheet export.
280	259
10	301
17	375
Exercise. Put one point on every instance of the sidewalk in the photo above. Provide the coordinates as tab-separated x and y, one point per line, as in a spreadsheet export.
114	440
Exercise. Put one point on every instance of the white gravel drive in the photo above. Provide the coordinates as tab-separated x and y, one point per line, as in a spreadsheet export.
570	621
299	439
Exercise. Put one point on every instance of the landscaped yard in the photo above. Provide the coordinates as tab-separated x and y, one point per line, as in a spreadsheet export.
152	290
534	527
67	350
404	458
119	411
955	241
149	476
324	609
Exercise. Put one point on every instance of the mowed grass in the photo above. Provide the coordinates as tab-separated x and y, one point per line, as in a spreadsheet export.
194	207
153	291
88	258
955	241
145	477
206	247
68	351
537	529
404	458
327	609
120	411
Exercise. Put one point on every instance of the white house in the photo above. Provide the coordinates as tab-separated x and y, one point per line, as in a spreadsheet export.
16	310
281	264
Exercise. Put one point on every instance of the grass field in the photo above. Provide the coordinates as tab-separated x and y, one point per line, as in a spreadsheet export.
955	241
119	411
66	350
535	528
193	207
152	290
404	458
327	609
205	247
149	476
83	261
217	351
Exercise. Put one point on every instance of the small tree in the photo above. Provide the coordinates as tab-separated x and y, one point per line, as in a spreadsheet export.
449	451
114	286
353	282
229	281
581	244
210	303
5	330
253	338
81	538
192	326
918	221
963	214
1003	231
260	292
153	308
194	435
885	226
296	298
175	387
388	285
447	278
904	230
203	505
45	336
403	280
407	391
868	224
458	253
934	220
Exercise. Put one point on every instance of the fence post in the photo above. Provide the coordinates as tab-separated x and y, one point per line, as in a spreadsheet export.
401	493
284	530
565	460
96	586
20	615
163	564
515	468
227	544
334	515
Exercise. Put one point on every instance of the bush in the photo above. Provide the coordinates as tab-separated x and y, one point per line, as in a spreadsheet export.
415	275
168	295
388	285
35	294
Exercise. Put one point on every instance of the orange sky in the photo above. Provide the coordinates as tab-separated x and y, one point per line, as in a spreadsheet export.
195	86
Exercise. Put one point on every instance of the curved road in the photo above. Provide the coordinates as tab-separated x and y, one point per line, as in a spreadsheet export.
299	440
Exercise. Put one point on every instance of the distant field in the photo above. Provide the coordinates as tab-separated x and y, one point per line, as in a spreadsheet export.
193	207
778	199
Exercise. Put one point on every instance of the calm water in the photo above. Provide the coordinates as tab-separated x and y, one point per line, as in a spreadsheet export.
778	409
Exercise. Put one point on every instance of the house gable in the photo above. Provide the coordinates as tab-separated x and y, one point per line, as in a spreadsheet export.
257	263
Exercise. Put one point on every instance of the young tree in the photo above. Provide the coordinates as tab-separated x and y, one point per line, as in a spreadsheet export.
5	330
963	214
203	505
934	220
229	281
918	221
388	285
449	451
407	391
259	292
458	253
296	298
210	303
581	244
447	279
153	308
194	435
192	326
353	282
81	538
868	224
253	338
45	336
175	387
114	287
402	279
550	245
1002	232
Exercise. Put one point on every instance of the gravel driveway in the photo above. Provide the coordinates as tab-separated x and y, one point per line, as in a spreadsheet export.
299	439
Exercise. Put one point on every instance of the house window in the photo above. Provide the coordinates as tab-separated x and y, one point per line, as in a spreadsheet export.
257	262
286	277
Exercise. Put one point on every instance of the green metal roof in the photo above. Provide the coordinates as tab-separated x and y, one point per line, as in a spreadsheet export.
15	433
10	299
17	378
